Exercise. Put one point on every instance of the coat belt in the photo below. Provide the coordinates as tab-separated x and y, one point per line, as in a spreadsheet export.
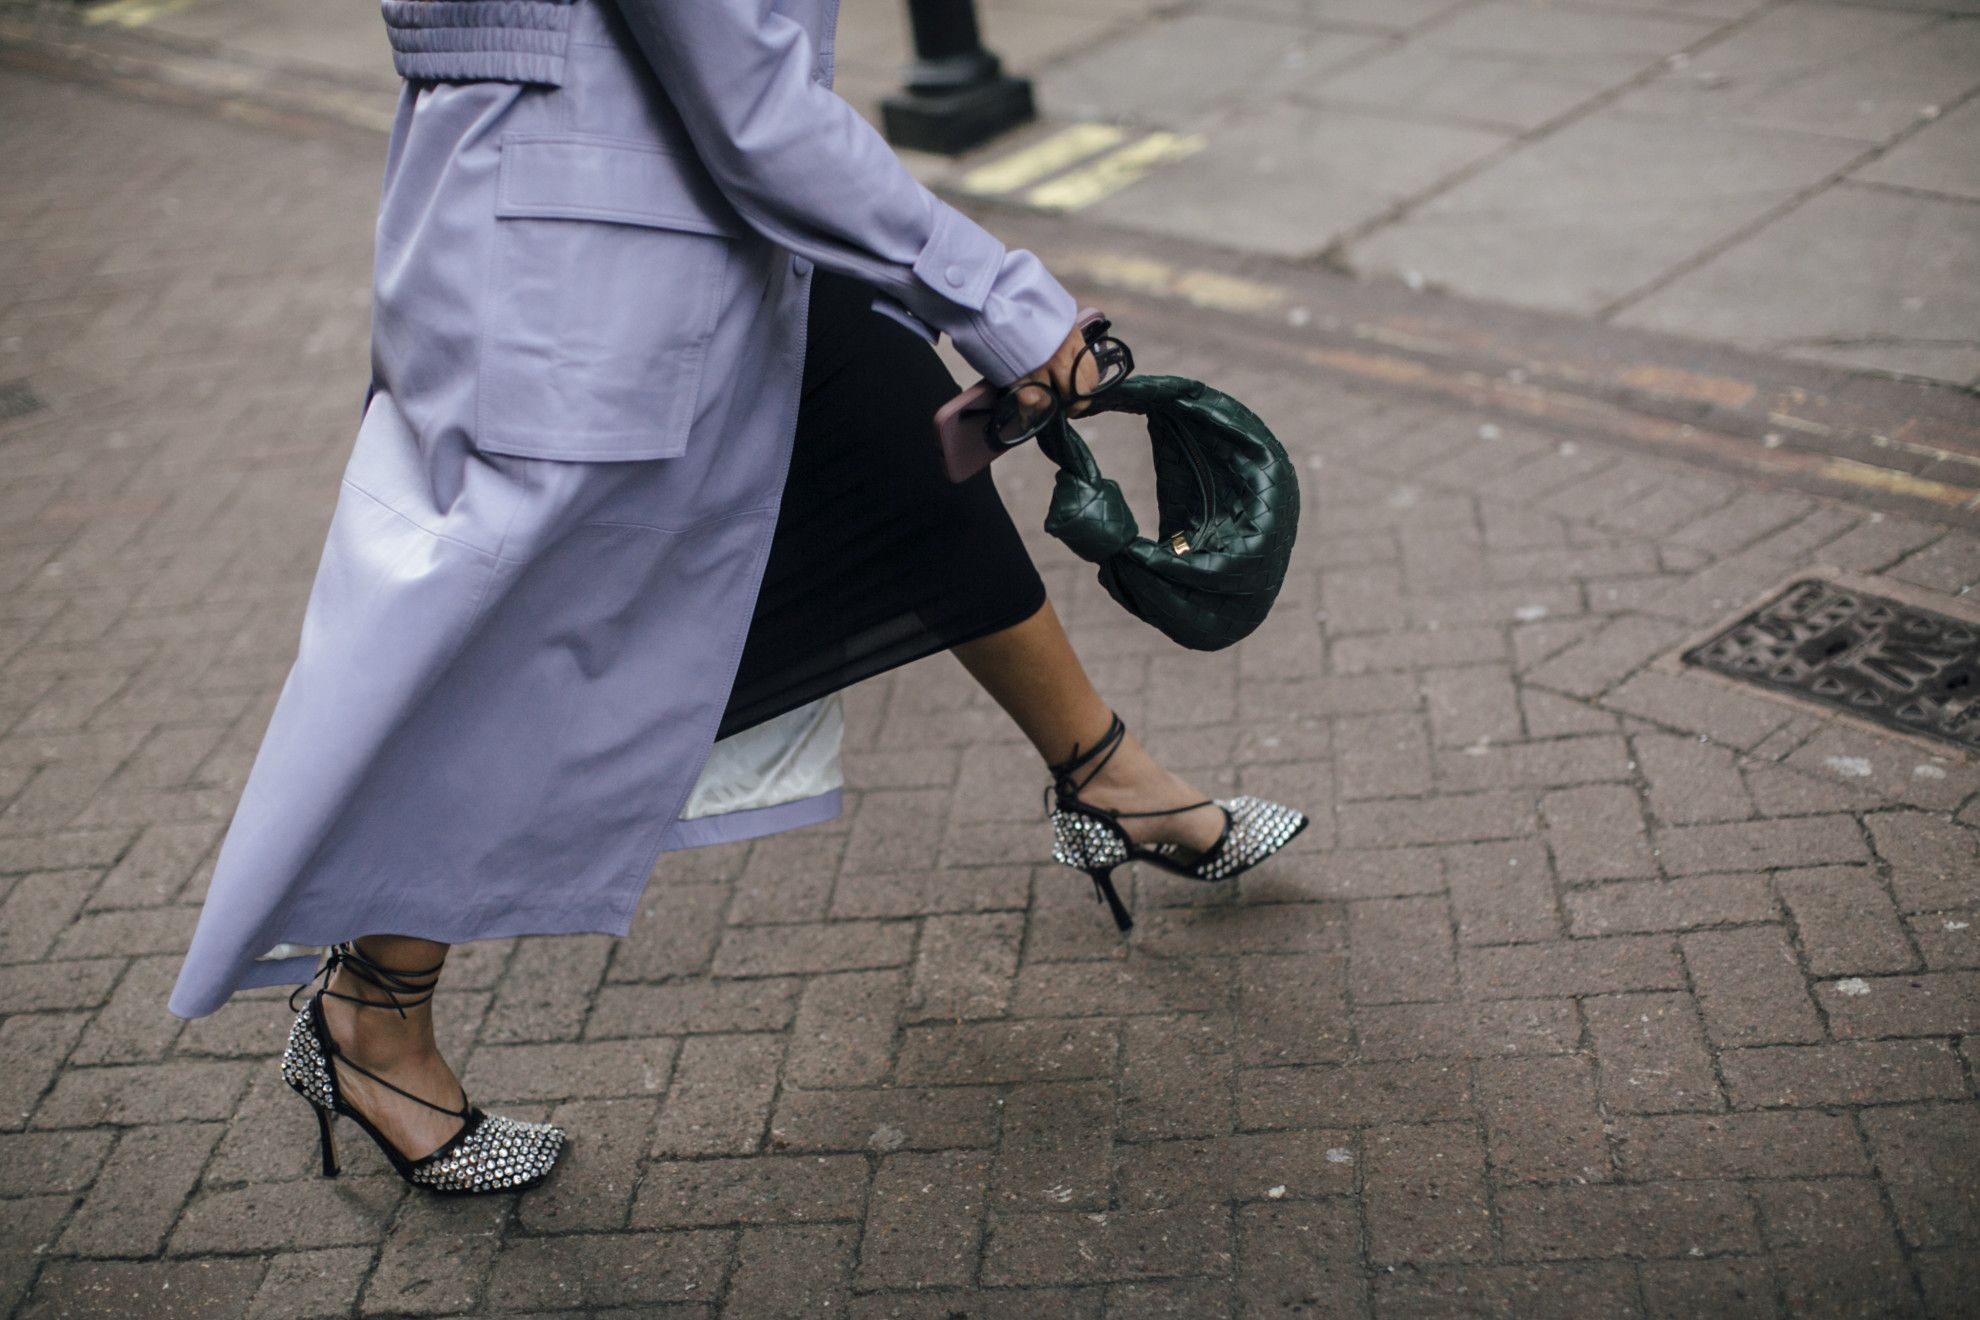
520	41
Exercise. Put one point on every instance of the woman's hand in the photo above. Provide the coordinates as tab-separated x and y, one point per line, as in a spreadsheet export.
1059	371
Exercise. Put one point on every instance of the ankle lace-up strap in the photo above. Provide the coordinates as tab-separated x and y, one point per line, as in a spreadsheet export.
393	982
465	1111
1063	788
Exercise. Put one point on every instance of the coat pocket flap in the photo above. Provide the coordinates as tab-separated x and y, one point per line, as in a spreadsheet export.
573	177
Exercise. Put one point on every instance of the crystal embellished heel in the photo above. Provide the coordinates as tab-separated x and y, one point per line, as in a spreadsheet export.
490	1153
1092	839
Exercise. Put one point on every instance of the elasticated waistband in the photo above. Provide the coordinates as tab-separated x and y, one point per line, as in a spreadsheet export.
479	40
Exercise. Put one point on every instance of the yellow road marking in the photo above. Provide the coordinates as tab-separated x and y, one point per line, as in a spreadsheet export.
1227	292
1112	172
1048	156
1793	423
1618	422
1896	482
1120	270
1682	384
111	13
1159	279
134	13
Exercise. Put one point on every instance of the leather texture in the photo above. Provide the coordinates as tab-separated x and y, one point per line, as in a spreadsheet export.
1222	480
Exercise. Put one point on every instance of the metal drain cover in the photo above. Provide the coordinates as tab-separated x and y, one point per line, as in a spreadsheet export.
1879	659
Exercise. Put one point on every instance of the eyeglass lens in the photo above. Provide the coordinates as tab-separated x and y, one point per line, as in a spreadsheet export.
1023	412
1027	409
1111	363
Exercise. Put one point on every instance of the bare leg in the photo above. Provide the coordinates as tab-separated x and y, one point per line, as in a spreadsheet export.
1031	671
401	1049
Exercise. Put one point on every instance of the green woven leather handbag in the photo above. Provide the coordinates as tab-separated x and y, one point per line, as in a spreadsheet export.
1229	503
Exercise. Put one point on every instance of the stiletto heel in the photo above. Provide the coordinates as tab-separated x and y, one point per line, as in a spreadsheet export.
1092	839
489	1153
323	1121
1103	888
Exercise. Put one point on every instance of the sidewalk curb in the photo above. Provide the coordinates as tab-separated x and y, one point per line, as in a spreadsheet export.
1888	442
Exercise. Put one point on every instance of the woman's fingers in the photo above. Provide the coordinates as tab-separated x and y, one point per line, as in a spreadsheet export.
1071	371
1074	372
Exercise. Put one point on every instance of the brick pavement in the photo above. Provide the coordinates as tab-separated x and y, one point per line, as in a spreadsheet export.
1594	990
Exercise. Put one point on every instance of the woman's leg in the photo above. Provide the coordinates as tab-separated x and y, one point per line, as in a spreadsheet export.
878	559
1030	669
399	1048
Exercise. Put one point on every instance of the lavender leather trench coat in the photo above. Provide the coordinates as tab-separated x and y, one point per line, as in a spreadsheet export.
593	249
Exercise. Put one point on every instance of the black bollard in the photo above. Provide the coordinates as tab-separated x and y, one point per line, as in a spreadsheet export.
957	94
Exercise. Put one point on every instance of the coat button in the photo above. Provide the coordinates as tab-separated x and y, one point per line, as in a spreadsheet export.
955	275
800	267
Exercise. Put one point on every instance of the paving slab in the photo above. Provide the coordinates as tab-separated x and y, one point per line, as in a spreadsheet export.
1290	179
1598	210
1899	286
1488	88
1934	6
1513	64
1942	157
1550	33
1816	68
1380	15
1708	8
1168	71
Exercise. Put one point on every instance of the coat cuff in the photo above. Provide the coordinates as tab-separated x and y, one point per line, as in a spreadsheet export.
961	259
1027	315
1003	309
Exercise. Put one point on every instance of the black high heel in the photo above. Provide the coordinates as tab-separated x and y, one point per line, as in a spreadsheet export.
490	1153
1091	839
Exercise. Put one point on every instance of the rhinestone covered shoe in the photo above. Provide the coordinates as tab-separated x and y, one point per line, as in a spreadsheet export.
490	1153
1254	829
1092	839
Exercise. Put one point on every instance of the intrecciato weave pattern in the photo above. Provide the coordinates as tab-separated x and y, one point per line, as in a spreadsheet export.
1222	481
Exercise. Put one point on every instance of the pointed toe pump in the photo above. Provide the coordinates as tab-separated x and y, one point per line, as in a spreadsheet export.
1092	839
489	1153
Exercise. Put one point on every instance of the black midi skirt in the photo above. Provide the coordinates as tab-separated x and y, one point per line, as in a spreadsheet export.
877	558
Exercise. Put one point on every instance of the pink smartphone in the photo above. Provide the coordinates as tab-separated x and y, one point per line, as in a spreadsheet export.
963	423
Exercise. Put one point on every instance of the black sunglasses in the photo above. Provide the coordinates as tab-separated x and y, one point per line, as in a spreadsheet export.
1027	409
